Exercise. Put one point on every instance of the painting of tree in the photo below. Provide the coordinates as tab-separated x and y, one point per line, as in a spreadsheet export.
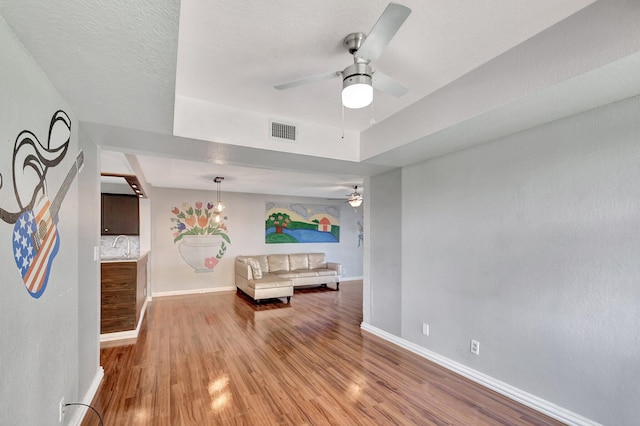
278	221
301	223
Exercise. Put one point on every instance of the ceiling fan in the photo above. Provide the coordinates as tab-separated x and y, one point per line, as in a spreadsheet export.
359	79
355	198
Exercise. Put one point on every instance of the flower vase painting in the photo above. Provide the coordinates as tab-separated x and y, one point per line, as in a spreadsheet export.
202	241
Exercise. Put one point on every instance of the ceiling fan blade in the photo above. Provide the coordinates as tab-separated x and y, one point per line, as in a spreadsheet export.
383	31
384	83
307	80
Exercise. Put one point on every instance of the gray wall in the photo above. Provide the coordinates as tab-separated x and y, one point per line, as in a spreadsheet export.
530	245
245	223
384	201
88	270
49	345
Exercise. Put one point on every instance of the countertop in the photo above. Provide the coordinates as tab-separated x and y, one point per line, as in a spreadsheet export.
114	259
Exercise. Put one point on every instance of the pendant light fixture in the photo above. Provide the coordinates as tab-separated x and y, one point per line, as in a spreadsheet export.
217	211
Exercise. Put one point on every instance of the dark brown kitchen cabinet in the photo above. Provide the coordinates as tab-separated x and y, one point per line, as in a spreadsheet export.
123	292
119	215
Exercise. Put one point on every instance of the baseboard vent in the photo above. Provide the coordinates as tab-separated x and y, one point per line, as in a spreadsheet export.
283	131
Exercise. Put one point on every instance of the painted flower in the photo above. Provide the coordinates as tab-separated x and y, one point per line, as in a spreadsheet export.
196	220
210	262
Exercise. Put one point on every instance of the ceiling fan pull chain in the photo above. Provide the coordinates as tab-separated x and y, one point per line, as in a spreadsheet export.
342	122
372	120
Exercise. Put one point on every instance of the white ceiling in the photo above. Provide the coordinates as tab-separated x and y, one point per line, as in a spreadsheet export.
121	64
233	53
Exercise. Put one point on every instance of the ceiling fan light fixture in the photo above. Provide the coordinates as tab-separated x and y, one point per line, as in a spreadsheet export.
355	198
357	88
357	95
355	202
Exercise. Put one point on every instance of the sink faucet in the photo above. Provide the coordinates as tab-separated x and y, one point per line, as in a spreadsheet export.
128	253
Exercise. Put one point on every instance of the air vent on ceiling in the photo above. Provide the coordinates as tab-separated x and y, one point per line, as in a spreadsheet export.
283	131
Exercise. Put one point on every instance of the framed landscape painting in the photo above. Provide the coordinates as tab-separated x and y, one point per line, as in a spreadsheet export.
301	223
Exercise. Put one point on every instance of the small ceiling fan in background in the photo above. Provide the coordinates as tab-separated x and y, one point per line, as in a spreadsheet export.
354	199
359	79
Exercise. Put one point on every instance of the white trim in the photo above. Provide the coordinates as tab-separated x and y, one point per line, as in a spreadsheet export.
502	388
356	278
120	335
192	291
126	335
216	289
81	410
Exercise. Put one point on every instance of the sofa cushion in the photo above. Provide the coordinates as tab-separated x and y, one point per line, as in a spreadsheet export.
256	270
298	261
278	262
324	272
317	260
304	273
262	260
270	281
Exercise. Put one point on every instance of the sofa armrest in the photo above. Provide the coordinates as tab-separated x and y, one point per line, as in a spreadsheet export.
335	266
244	270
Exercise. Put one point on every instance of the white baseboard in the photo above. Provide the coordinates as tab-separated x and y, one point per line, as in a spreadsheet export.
192	291
80	410
343	279
215	289
502	388
129	334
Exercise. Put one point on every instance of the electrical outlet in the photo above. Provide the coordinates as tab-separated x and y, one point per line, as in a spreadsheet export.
425	329
61	410
475	347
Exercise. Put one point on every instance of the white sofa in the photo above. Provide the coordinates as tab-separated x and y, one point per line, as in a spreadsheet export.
275	275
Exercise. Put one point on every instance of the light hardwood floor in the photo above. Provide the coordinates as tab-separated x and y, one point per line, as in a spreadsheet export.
217	359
